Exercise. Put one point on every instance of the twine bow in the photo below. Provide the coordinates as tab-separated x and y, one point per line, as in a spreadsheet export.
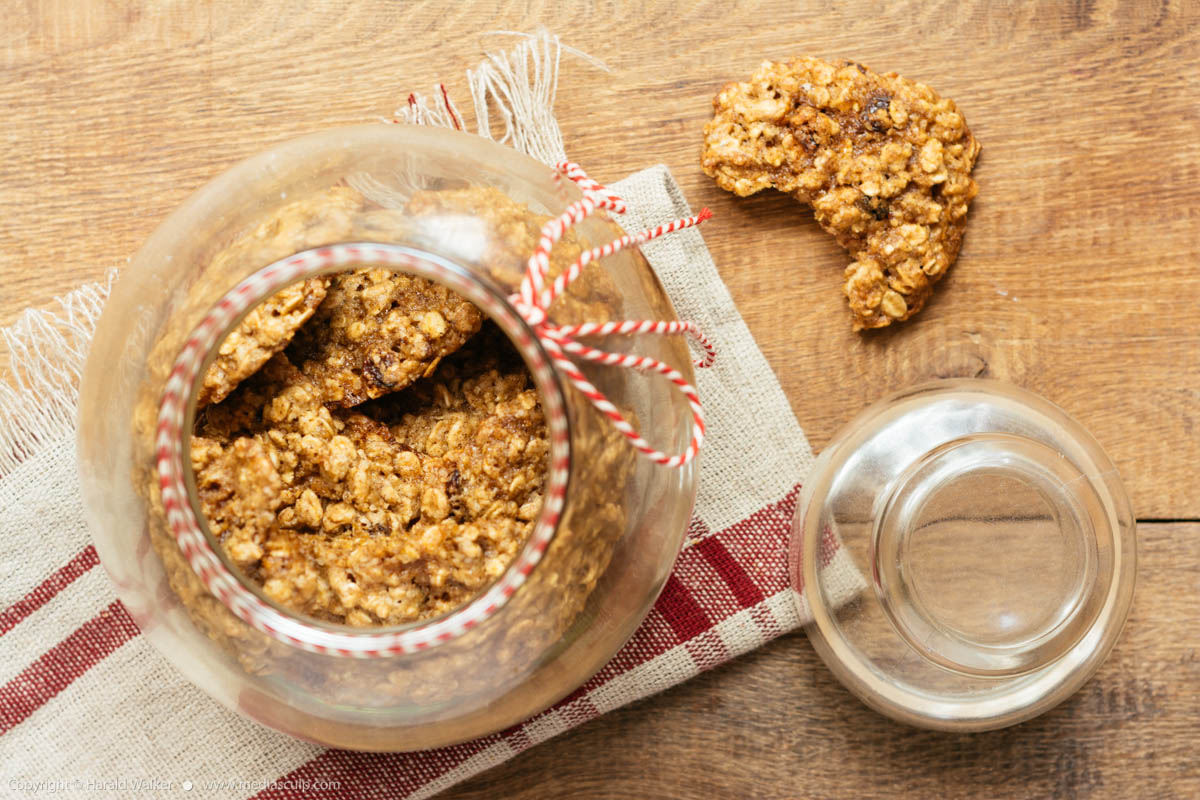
535	297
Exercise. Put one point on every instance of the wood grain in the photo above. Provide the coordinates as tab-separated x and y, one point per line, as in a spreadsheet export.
1077	280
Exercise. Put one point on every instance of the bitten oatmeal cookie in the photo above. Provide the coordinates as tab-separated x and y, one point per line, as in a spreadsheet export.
378	331
884	162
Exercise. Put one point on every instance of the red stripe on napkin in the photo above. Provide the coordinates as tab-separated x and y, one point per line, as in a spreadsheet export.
679	608
59	666
44	591
743	587
755	543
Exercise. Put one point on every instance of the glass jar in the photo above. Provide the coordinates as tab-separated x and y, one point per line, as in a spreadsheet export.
445	206
968	554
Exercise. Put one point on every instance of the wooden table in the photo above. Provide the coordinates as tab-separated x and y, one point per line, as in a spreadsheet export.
1078	280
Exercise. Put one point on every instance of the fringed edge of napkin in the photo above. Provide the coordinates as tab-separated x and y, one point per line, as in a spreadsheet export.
514	89
46	353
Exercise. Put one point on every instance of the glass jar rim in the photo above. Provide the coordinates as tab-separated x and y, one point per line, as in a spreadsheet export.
177	483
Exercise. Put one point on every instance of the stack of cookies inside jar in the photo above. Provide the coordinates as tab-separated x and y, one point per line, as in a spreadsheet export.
369	448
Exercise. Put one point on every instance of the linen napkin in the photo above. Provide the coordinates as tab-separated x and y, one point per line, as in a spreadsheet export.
88	705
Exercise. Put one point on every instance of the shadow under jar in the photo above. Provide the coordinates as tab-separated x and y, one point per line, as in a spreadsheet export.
465	213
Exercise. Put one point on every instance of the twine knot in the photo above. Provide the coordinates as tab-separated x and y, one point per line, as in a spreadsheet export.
534	298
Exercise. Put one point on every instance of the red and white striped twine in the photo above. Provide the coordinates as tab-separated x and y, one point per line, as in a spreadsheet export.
534	298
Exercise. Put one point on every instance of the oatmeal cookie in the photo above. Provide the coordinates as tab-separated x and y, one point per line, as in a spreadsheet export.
378	331
341	471
240	491
268	328
505	231
480	413
884	162
262	333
